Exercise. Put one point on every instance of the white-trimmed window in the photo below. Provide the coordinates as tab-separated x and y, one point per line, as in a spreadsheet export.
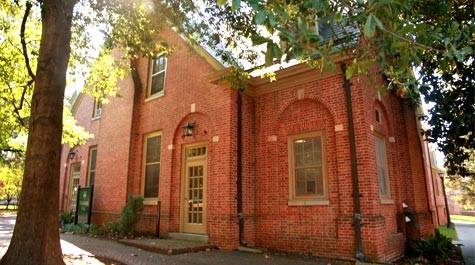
307	166
157	76
382	167
97	109
151	165
92	165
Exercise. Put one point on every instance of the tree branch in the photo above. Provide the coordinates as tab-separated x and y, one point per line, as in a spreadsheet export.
23	42
411	41
15	109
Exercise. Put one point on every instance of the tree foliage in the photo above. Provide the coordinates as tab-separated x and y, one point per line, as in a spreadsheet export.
11	175
435	37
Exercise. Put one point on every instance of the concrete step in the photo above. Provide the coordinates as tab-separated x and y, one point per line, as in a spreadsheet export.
189	237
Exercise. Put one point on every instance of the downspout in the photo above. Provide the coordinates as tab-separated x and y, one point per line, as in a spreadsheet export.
354	168
240	214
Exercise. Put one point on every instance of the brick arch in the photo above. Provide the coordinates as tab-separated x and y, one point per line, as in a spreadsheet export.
385	127
308	115
203	132
204	128
305	115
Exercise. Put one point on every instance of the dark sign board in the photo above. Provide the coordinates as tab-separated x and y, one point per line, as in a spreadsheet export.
84	203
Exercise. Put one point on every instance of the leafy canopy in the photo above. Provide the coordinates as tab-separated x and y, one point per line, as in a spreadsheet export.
435	37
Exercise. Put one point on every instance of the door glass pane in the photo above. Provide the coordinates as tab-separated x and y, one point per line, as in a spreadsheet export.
195	194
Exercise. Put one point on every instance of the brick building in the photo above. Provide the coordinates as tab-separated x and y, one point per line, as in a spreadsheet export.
287	155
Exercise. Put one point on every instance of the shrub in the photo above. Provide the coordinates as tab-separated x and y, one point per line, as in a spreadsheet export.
130	214
81	228
435	250
66	218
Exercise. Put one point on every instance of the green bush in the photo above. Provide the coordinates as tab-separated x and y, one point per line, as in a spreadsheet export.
130	214
81	228
66	218
435	250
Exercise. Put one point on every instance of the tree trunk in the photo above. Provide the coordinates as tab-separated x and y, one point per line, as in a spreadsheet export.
36	235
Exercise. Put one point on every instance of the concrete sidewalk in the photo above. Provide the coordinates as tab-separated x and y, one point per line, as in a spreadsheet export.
83	250
466	233
136	256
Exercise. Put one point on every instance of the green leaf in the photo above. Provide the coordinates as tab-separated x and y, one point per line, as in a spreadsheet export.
272	20
222	2
276	51
369	27
301	25
378	22
258	39
350	71
260	17
236	4
281	12
269	58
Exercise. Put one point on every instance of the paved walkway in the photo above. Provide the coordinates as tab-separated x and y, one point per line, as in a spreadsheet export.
466	234
135	256
84	248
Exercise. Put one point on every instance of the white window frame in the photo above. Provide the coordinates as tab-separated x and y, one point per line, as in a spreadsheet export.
152	74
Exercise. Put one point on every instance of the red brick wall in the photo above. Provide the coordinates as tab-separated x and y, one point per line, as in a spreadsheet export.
268	119
326	230
186	84
112	144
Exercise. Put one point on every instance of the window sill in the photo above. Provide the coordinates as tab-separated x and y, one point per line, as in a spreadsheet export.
96	118
307	202
155	96
387	201
150	201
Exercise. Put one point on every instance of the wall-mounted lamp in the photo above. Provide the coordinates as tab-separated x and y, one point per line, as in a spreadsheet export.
71	154
188	128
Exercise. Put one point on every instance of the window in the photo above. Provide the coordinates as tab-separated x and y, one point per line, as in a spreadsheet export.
73	186
382	167
151	167
157	79
92	165
307	166
97	109
377	116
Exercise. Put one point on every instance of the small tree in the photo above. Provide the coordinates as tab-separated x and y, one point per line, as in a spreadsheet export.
130	213
10	178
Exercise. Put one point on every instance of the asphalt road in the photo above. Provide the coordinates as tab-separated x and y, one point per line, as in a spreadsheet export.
466	234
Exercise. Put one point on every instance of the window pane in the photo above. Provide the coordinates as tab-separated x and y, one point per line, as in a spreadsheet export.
157	83
153	149
381	164
92	176
308	167
159	64
93	159
152	173
300	183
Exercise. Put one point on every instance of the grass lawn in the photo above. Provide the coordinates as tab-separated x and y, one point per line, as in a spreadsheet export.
463	218
11	209
448	232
